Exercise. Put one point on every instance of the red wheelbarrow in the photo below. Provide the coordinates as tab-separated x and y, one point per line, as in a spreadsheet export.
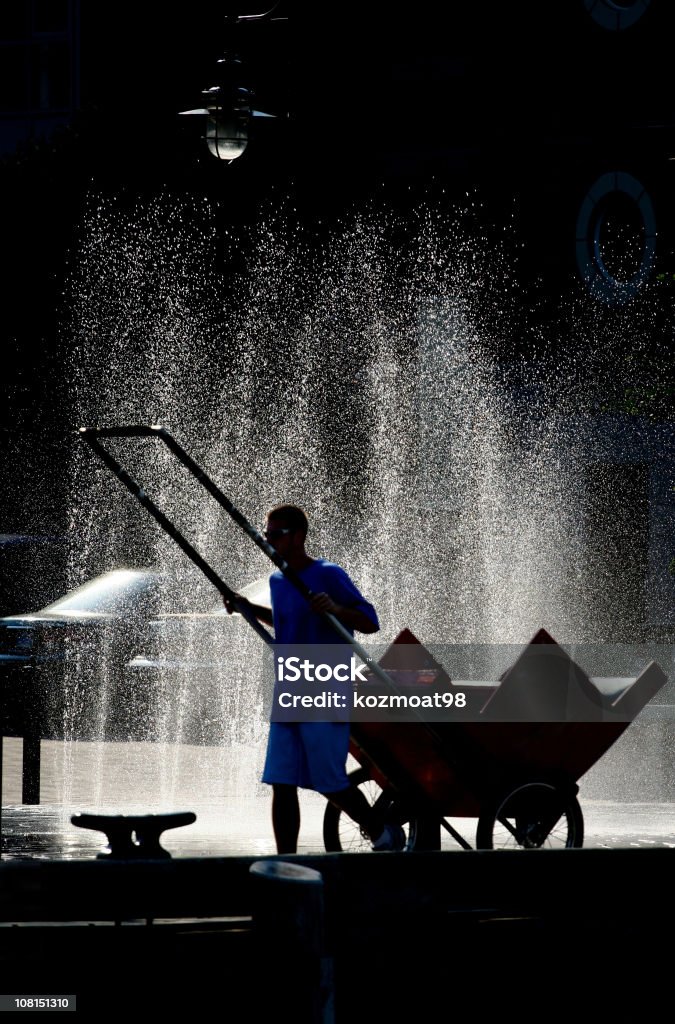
512	760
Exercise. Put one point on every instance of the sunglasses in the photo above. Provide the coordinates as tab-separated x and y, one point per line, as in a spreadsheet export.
275	534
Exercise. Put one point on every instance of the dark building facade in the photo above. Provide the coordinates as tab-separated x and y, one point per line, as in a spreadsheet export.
39	69
567	107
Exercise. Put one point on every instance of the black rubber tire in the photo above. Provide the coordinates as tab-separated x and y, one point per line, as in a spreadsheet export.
518	820
342	835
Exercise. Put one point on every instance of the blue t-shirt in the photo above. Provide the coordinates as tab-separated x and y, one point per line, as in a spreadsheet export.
295	622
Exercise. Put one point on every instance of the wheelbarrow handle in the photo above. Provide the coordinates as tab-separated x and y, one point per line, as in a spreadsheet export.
91	436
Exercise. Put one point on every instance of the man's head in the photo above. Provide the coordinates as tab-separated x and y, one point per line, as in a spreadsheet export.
286	528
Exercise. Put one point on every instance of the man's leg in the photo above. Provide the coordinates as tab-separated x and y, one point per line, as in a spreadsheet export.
285	817
327	747
353	802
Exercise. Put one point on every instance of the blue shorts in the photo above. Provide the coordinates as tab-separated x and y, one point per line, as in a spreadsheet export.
312	755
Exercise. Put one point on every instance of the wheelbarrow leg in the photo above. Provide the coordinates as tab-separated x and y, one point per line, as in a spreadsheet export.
455	835
428	833
428	836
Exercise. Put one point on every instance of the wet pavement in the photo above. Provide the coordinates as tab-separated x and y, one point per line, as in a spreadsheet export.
232	808
243	828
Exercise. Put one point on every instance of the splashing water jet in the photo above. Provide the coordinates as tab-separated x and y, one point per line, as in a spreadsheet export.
355	374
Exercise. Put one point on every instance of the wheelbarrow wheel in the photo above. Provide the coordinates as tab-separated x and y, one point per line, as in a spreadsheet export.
341	834
532	815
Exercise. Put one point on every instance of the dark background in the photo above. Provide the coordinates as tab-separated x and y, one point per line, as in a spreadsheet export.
524	105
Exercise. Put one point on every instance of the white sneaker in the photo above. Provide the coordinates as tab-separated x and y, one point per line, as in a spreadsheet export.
392	838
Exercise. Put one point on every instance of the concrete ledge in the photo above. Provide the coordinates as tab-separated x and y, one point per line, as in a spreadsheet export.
405	934
539	882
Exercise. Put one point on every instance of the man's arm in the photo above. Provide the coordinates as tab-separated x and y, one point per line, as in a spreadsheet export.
260	611
353	618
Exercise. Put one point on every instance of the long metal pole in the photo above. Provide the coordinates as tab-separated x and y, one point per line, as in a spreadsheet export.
132	485
92	433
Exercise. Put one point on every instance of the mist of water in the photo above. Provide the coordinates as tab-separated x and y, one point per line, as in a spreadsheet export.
356	371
